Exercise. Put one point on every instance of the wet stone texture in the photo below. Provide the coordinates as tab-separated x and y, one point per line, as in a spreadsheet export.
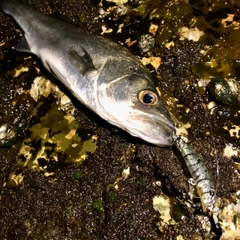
67	174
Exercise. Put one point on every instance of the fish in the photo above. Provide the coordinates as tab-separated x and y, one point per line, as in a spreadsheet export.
100	73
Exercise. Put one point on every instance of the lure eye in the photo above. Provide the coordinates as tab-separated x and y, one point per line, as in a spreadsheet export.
148	97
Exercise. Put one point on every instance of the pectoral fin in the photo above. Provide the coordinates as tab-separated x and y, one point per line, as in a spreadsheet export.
81	61
22	46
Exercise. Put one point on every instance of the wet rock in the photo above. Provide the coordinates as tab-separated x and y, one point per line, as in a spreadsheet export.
7	135
9	132
225	90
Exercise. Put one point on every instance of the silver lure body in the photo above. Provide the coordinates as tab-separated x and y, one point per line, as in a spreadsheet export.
204	184
100	73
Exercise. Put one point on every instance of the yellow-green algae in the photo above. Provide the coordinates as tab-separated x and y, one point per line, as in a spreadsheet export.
172	14
162	204
54	137
219	21
222	29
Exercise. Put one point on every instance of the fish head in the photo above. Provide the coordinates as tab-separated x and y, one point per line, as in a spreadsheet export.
134	104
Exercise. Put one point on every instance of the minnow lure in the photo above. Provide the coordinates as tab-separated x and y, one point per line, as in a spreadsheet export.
204	184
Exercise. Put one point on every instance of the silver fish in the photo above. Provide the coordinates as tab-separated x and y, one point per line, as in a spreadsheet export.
101	74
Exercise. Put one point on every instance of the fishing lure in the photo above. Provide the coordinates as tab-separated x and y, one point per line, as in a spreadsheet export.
204	184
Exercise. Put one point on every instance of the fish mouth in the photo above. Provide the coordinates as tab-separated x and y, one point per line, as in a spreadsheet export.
157	130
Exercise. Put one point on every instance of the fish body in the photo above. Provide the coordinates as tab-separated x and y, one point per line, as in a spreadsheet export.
100	73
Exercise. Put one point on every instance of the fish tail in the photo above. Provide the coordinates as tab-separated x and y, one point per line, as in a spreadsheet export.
7	5
15	8
24	14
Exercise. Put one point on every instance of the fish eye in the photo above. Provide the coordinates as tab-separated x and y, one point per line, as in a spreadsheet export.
148	97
